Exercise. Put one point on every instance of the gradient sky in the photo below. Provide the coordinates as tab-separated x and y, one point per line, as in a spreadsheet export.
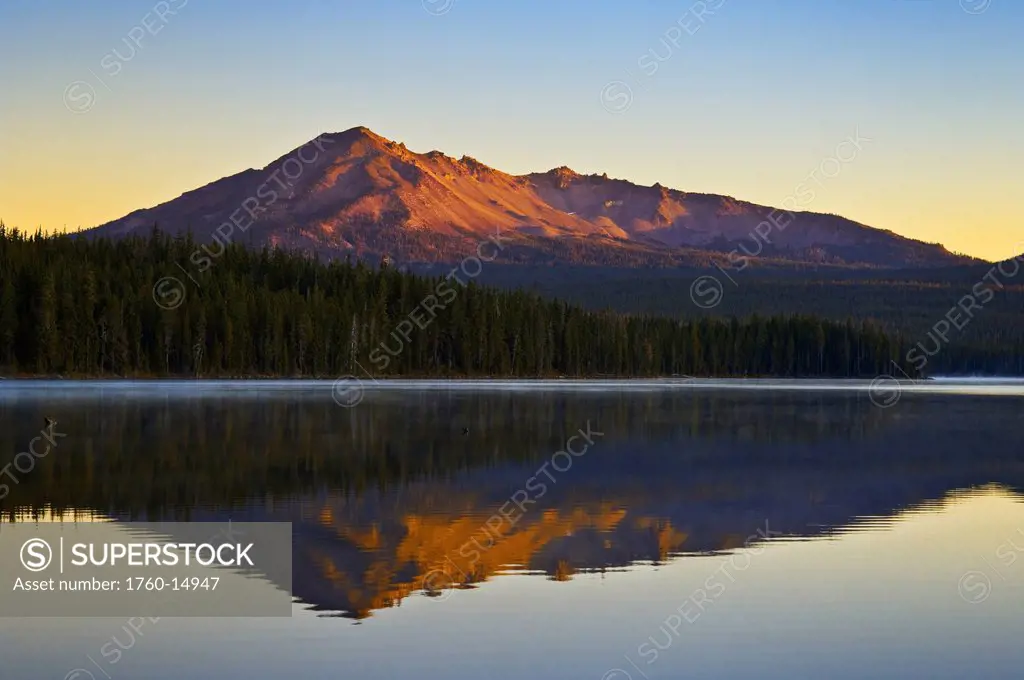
755	99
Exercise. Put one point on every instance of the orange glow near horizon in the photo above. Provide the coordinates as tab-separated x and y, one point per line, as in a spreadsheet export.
98	127
120	174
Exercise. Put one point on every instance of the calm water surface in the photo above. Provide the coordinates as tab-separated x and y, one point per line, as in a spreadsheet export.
698	531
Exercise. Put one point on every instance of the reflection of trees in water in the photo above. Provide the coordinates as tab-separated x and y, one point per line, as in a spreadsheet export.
168	456
150	455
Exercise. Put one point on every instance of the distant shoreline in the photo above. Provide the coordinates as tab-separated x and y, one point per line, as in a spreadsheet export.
393	383
369	383
22	378
455	379
349	392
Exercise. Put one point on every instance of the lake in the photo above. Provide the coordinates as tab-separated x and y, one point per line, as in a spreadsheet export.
563	530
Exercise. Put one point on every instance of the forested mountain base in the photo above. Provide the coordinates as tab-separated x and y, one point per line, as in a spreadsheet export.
92	307
987	339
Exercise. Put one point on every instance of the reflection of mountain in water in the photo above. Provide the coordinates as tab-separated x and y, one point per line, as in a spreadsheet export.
385	502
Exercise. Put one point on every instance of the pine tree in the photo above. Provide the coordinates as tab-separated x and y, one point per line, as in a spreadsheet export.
86	307
8	324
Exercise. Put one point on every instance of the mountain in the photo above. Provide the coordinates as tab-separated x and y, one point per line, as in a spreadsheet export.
358	193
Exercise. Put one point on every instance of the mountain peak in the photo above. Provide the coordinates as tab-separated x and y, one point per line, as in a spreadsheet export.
563	176
358	137
367	193
563	171
361	132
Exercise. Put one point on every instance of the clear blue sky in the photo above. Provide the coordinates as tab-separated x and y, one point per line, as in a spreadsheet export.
747	105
